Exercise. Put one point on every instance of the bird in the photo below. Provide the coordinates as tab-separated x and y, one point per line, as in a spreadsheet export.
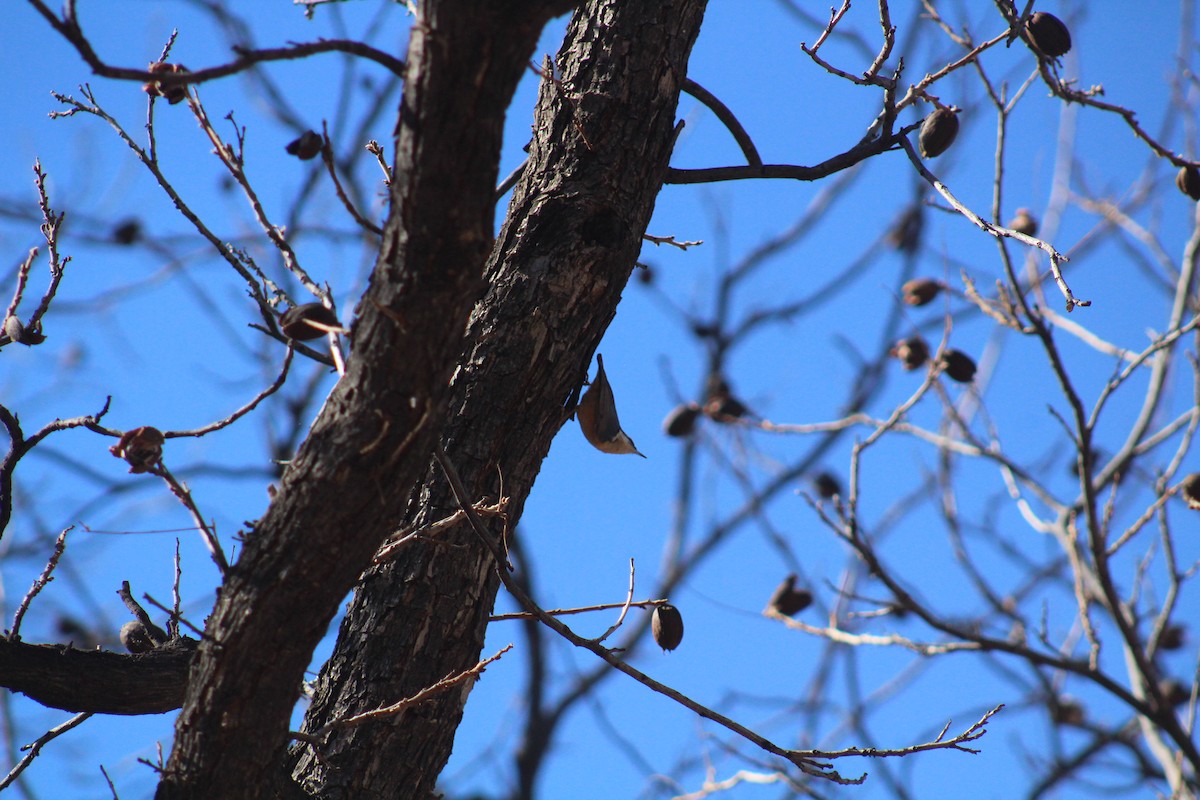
597	414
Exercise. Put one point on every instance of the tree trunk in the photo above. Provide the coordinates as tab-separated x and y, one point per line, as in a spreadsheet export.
346	487
601	145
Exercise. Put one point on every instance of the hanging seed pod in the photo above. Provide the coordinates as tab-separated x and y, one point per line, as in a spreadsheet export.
1024	223
720	403
1188	181
1172	637
1066	711
959	366
905	234
135	637
788	600
307	146
920	291
1048	34
912	352
141	448
1174	692
127	232
308	321
937	132
644	274
173	93
827	486
667	626
681	421
1190	491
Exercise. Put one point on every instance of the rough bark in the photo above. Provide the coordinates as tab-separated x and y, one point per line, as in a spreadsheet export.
345	489
97	680
601	144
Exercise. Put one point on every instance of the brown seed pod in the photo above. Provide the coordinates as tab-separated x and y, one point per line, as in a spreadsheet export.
937	132
16	331
826	485
127	232
136	638
1174	692
307	146
1024	223
307	321
720	403
1188	181
667	626
141	448
912	352
644	274
1048	34
1172	637
681	421
172	92
905	234
788	600
920	291
959	366
1190	491
1066	711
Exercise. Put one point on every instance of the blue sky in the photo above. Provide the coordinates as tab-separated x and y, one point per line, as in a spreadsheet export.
159	353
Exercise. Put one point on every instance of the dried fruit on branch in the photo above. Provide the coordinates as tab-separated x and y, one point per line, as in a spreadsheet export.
681	421
1024	222
920	291
1188	181
667	626
959	366
141	448
1190	491
937	132
788	600
1048	34
307	146
912	352
308	321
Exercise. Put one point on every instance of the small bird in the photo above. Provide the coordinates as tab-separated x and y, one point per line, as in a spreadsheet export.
597	413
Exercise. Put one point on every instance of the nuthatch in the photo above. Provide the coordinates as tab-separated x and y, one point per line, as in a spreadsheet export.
597	413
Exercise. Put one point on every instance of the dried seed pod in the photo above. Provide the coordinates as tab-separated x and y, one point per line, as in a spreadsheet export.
1066	711
826	485
1024	222
720	404
136	638
1188	181
307	146
681	421
172	92
1172	637
644	274
959	366
1048	34
1190	491
308	321
667	626
1174	692
16	331
127	232
905	234
912	352
937	132
920	291
788	600
141	448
